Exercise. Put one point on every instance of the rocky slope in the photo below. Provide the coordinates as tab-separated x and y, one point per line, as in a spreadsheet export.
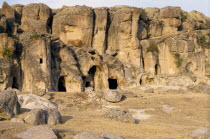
73	48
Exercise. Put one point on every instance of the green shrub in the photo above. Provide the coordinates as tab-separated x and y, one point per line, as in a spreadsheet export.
203	42
8	53
179	60
161	25
152	48
34	36
183	17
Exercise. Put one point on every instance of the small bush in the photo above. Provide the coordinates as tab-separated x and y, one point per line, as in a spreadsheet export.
179	60
199	27
8	53
203	42
183	17
152	48
35	36
161	25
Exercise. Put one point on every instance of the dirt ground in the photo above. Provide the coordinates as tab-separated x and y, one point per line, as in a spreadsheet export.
190	111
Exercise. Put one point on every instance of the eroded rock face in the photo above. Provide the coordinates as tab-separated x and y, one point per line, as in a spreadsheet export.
118	115
87	135
75	48
35	132
36	64
74	25
9	103
36	17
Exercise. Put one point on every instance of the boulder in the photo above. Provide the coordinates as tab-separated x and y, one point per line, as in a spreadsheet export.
118	115
53	117
37	132
36	117
17	120
9	103
112	96
108	135
200	133
40	116
87	135
30	101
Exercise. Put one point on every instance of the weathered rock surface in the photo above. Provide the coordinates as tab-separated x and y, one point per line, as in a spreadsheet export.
36	18
199	133
9	103
41	132
36	117
53	117
17	120
112	96
40	116
30	101
108	135
118	115
73	48
87	135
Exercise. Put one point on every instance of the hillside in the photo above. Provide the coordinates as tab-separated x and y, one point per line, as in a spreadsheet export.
80	49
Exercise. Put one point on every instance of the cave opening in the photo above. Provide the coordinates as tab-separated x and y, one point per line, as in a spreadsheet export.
112	83
157	69
61	84
87	84
14	83
40	61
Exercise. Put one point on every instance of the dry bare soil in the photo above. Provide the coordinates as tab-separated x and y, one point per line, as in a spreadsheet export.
190	111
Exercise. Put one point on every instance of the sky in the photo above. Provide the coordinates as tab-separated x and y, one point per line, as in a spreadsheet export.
187	5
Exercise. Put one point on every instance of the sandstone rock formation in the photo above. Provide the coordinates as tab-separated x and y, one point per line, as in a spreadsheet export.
41	132
9	103
74	48
40	117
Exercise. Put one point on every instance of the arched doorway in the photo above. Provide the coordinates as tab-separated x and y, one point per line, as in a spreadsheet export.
61	84
14	83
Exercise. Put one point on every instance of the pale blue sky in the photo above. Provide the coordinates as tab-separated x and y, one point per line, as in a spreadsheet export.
187	5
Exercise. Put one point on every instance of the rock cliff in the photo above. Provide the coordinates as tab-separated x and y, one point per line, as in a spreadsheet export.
72	48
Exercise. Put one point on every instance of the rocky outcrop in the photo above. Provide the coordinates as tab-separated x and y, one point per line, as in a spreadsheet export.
74	25
41	132
30	101
36	18
75	48
40	117
119	115
9	103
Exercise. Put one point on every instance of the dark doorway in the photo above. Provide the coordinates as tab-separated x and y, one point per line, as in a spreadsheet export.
61	84
87	84
14	83
92	71
40	60
112	83
157	69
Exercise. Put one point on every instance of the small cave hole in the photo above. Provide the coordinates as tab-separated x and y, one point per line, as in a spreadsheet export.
40	61
157	69
140	82
92	52
87	84
61	84
14	83
92	71
112	83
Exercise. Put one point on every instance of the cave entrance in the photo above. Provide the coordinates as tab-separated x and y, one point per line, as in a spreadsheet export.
61	84
157	69
14	83
112	83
